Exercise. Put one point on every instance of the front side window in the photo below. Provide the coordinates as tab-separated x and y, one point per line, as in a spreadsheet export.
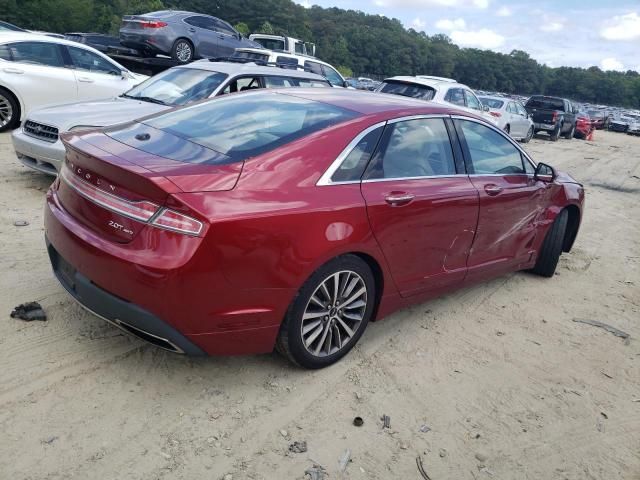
472	100
37	53
521	110
421	92
89	61
178	86
490	153
243	126
455	96
242	85
413	148
4	53
277	82
333	76
222	27
356	161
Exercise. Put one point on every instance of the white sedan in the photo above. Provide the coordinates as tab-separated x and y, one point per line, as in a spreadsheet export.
510	116
37	71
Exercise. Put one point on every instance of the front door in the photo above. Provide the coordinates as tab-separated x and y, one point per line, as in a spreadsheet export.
422	211
96	76
510	199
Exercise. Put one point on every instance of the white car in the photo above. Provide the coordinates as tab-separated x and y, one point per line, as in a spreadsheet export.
511	117
36	71
436	89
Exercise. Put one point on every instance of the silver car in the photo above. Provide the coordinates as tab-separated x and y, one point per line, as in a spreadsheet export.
510	116
182	35
37	143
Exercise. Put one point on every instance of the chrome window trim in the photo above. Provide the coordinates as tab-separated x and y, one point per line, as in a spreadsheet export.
505	135
424	177
325	179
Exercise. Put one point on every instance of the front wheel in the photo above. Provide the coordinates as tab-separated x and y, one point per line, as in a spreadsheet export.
182	51
329	314
551	249
529	136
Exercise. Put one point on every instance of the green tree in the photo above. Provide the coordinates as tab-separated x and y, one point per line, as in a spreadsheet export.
243	28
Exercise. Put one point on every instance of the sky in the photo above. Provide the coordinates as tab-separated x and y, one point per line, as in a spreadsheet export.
604	33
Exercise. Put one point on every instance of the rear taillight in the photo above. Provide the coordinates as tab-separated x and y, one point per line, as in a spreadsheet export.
496	114
554	116
142	210
177	222
153	24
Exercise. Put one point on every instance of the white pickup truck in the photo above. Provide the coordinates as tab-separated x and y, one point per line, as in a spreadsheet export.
279	43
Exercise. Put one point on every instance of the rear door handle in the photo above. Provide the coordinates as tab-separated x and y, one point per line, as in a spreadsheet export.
13	70
492	189
397	199
85	79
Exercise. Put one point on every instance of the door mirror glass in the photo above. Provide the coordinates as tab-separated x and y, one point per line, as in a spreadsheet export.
545	173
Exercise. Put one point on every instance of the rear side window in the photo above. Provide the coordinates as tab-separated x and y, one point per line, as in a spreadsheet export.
490	152
421	92
413	149
201	22
314	67
4	53
38	53
244	126
455	96
492	103
355	162
308	83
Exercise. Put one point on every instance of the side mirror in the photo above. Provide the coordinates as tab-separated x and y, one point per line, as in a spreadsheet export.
125	74
545	173
345	84
485	108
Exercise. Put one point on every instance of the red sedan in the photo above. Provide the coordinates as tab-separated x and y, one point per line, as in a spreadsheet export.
292	219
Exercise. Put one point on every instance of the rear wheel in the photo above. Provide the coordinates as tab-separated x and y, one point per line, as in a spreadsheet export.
552	247
507	129
529	136
555	135
9	111
182	51
569	134
329	314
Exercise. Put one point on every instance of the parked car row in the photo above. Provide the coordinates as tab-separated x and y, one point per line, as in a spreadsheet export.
177	216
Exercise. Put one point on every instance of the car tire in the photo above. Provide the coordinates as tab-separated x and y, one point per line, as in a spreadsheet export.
316	350
182	51
507	129
555	135
9	110
569	134
551	248
530	134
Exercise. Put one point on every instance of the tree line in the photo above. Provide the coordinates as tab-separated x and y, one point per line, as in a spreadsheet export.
353	41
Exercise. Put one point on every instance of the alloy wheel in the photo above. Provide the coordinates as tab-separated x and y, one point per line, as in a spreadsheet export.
6	111
334	313
529	134
183	51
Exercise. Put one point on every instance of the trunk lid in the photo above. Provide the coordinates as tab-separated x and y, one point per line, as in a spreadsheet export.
113	188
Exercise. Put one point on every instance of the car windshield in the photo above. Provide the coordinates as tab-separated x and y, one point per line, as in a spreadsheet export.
546	103
8	27
412	90
243	126
492	102
596	114
178	86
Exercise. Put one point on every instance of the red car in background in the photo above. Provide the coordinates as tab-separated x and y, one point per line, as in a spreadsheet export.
292	219
584	125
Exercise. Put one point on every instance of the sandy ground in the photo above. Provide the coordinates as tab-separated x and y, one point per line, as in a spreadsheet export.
509	385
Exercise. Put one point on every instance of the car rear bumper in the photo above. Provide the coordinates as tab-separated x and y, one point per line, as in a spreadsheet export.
174	297
146	42
37	154
125	315
544	126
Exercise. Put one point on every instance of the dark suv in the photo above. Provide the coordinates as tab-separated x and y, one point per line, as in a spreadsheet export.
554	115
183	35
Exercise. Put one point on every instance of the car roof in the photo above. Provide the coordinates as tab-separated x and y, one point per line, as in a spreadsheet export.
426	80
367	103
35	37
250	68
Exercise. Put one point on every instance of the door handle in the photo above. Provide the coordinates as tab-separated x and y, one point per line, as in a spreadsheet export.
13	70
397	199
85	79
192	29
492	189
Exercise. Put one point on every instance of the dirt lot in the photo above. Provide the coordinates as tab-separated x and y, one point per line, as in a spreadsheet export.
499	372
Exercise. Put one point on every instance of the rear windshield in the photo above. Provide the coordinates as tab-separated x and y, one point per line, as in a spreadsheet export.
546	103
492	102
247	125
178	86
407	90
